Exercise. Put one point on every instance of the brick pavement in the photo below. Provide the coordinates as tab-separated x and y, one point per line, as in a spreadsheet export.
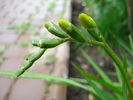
36	13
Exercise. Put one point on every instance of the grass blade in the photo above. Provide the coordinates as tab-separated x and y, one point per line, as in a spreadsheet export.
114	89
49	78
131	43
121	42
118	74
94	86
97	68
124	87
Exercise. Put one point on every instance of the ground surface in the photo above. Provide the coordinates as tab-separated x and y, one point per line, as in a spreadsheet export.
27	18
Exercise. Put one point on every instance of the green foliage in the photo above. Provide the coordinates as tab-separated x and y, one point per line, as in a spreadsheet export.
3	48
51	5
24	43
110	15
21	27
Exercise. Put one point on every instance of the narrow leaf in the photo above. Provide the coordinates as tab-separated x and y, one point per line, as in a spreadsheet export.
94	86
50	78
97	68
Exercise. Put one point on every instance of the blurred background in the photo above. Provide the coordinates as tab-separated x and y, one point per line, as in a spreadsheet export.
23	20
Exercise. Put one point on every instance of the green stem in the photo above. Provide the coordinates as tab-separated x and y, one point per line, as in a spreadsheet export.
120	66
97	43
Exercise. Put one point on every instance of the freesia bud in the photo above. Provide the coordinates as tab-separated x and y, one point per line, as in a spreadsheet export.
30	59
72	31
55	30
64	24
47	43
35	55
23	68
87	21
91	27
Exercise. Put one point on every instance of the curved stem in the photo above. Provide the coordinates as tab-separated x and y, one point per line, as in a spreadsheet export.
97	43
120	66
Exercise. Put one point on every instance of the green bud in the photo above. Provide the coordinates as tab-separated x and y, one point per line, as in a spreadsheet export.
96	34
23	68
31	58
27	56
72	31
47	43
55	30
36	55
64	24
87	21
91	27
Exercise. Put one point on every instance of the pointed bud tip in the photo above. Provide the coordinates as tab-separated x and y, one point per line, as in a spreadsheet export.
47	24
87	21
64	24
35	42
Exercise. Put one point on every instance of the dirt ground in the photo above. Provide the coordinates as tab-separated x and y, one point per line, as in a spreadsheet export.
103	61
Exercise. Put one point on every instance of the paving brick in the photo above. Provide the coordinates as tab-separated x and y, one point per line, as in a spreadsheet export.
30	11
23	38
8	38
5	83
37	23
5	23
10	31
40	68
20	19
58	9
39	17
15	51
28	32
28	89
11	64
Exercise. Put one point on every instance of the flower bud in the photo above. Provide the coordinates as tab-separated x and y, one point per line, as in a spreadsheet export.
64	24
91	27
35	55
55	30
30	59
47	43
72	31
96	34
23	68
87	21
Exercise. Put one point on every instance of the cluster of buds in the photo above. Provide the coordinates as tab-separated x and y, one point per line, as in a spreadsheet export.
66	31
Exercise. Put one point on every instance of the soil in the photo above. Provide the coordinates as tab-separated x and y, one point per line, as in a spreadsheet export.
103	61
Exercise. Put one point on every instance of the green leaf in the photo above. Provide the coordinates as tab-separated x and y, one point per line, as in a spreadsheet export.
131	44
121	42
49	78
20	31
124	87
97	68
24	43
89	81
118	74
112	87
12	26
31	27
